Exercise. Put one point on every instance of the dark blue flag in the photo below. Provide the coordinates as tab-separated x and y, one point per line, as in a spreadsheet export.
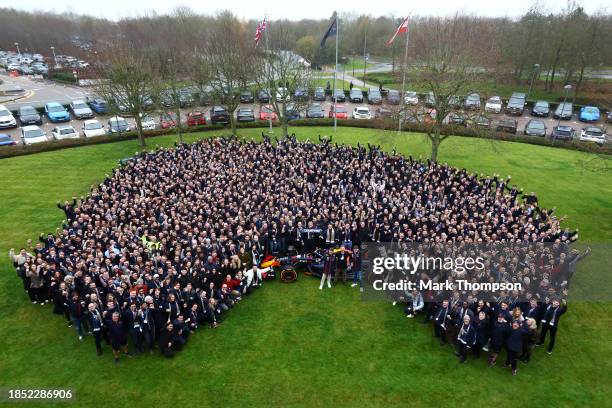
332	30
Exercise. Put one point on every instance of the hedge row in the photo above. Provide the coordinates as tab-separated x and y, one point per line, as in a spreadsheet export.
21	150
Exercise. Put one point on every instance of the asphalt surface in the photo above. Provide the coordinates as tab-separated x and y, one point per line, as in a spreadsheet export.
40	92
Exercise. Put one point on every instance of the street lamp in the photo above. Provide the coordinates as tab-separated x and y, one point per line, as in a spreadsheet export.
567	88
54	58
17	45
536	69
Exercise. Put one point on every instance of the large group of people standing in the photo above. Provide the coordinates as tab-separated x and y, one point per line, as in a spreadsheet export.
173	239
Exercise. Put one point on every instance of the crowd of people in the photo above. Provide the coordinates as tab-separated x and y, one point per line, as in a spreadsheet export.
174	238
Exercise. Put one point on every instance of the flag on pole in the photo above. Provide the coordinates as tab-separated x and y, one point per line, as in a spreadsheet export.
403	28
261	27
332	30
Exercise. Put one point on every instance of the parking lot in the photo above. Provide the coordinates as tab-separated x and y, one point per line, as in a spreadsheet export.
39	93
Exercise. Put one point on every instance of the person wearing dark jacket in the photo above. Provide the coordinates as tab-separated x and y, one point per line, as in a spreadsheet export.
441	319
498	336
146	321
96	325
466	338
530	338
166	337
514	343
69	209
132	325
481	325
117	336
550	322
76	308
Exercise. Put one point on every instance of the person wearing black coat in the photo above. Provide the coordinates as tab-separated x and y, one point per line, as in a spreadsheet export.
76	308
466	338
498	337
533	311
166	337
117	336
132	325
481	325
441	319
146	321
514	343
96	325
550	322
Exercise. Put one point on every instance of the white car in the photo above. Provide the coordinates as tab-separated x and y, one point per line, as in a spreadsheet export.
7	120
64	132
32	134
282	92
362	112
147	122
494	105
93	128
593	134
411	98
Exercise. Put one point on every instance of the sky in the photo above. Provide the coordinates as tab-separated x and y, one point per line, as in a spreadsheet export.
295	9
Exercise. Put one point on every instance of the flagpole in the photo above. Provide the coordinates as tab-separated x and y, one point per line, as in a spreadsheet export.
269	70
399	125
336	72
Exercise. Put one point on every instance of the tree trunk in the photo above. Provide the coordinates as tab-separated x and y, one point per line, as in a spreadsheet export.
285	127
579	82
179	132
141	138
233	124
435	145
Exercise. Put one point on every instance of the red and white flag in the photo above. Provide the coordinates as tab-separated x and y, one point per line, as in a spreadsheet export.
403	28
261	27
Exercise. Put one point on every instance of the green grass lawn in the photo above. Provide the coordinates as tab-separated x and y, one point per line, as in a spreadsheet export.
290	344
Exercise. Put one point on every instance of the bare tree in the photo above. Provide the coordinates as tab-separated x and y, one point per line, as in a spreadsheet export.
128	85
231	60
289	72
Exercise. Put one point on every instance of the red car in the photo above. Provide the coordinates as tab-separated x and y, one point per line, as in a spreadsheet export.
167	120
341	112
266	112
196	118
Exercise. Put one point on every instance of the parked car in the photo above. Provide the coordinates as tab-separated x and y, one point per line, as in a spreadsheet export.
301	94
246	97
319	94
196	118
56	112
147	122
340	111
593	134
267	113
5	140
32	134
186	98
362	112
472	102
117	124
168	120
245	115
263	96
516	104
383	113
64	132
356	95
315	111
98	105
339	96
535	127
374	96
80	110
28	115
93	128
454	102
564	111
563	132
430	100
411	98
493	105
282	93
540	109
7	120
457	119
480	121
393	97
507	126
292	112
589	114
219	115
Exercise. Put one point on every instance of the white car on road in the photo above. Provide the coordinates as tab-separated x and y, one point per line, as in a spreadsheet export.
593	134
147	122
493	105
32	134
411	98
93	128
7	120
362	112
64	132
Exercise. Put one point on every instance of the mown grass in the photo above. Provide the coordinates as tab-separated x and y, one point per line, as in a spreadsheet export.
292	345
